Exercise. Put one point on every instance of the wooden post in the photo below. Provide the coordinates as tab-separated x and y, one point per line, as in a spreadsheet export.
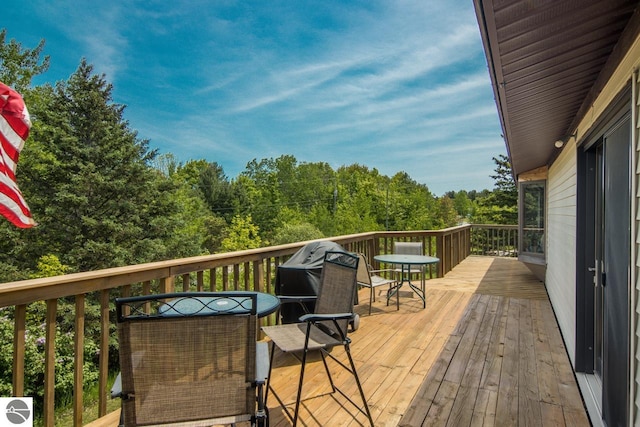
20	316
440	254
50	363
103	360
78	373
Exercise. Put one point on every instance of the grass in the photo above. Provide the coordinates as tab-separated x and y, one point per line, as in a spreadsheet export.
64	415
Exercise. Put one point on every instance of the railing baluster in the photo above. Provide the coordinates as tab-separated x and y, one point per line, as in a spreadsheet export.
103	360
247	277
186	281
268	274
212	279
78	375
225	278
146	290
20	319
200	281
236	276
50	363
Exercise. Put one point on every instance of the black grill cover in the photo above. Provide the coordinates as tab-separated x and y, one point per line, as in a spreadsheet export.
300	276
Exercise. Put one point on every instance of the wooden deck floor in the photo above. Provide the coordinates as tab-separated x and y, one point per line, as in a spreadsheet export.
485	352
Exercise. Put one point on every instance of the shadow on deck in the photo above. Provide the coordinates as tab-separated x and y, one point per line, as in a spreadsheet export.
485	351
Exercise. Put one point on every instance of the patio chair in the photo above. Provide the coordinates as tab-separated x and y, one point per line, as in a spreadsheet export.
198	368
368	278
323	330
411	248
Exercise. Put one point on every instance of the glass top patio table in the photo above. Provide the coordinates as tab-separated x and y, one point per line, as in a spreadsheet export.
218	302
406	261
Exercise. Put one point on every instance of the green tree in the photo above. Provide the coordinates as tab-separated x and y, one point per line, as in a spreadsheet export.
501	205
216	190
411	205
88	180
463	205
18	65
301	232
359	201
242	234
505	189
447	215
49	266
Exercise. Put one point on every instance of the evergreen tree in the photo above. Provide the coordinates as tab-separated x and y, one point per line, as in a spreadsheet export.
87	178
501	205
18	65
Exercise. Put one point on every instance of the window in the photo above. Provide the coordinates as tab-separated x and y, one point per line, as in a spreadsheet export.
532	207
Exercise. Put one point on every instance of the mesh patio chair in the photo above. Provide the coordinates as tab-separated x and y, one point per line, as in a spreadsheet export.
196	368
368	278
411	248
323	330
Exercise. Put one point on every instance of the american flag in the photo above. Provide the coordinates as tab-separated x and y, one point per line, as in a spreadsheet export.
14	130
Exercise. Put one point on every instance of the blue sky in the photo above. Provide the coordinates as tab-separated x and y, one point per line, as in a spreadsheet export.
396	85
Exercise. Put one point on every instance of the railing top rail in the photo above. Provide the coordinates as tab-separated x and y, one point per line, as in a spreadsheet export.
27	291
419	233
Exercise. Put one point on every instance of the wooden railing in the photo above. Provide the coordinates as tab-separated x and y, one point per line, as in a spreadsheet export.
243	270
494	240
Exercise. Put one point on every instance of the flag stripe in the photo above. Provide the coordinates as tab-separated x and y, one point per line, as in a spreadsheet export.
10	210
8	157
14	130
11	141
10	189
17	124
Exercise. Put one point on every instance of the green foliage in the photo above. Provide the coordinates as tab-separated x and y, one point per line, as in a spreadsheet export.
19	65
447	214
291	233
49	266
90	186
463	205
411	205
501	205
35	341
242	234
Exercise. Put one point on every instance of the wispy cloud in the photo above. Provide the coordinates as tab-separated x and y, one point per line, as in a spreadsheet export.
392	84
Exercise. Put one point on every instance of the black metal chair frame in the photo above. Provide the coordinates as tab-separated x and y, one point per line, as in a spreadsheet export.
337	337
373	280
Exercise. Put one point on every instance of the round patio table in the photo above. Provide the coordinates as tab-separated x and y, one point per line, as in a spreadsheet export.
406	261
221	302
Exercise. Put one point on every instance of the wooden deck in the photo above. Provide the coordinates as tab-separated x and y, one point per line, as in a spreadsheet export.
485	352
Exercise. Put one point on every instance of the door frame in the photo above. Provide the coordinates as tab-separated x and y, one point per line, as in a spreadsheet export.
620	109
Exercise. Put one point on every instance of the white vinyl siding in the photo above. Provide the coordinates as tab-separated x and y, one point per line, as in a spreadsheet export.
561	243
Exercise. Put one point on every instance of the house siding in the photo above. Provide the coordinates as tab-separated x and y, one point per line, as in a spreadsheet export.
562	225
561	243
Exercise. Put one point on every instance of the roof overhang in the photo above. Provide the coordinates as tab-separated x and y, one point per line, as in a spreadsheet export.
548	60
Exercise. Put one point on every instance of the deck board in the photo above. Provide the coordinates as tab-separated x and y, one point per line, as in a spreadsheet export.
486	351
